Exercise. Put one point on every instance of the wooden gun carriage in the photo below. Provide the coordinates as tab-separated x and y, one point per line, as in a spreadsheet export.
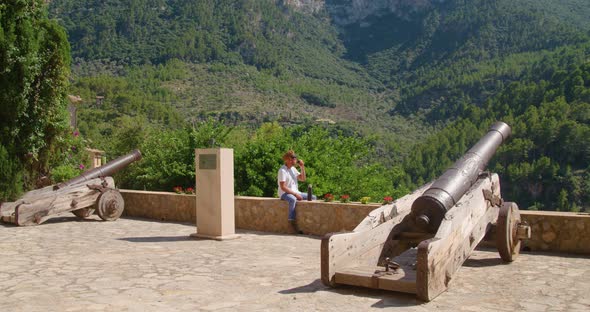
416	244
82	195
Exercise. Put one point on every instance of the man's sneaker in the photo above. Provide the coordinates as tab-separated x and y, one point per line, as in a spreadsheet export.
295	227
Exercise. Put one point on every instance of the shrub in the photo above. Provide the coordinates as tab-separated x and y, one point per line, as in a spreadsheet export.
11	176
317	100
70	158
64	172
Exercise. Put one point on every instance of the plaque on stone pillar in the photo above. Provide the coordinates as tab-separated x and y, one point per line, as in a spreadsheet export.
215	194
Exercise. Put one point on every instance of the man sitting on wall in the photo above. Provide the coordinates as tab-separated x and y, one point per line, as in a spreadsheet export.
287	181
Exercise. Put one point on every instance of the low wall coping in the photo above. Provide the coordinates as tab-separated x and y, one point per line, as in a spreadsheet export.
564	214
153	192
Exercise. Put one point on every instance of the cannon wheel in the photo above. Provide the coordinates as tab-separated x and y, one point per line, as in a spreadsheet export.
83	213
110	204
508	242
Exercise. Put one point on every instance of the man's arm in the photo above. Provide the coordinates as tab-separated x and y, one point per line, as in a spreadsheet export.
289	191
301	177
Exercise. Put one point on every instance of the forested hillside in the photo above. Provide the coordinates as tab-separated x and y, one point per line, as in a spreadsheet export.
546	165
457	50
417	81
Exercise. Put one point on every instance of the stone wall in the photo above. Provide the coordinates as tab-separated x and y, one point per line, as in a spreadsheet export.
551	231
313	217
163	206
558	231
251	213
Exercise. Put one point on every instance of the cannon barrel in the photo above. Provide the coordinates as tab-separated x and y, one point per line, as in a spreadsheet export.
430	208
107	169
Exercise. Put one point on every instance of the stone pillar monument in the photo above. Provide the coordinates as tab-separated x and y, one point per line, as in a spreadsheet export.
215	193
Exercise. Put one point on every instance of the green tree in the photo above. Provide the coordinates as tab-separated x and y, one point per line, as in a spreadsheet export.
562	202
10	175
34	69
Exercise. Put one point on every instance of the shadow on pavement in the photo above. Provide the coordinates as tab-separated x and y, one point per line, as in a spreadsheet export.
309	288
57	219
156	239
71	219
388	298
486	262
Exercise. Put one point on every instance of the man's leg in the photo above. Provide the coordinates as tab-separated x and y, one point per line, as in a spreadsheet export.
292	202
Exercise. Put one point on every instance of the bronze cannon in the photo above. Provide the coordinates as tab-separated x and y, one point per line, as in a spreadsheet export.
418	243
93	190
430	208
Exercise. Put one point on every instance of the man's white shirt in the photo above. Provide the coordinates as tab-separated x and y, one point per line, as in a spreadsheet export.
289	176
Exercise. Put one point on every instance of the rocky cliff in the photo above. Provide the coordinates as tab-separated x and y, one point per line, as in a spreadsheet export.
346	12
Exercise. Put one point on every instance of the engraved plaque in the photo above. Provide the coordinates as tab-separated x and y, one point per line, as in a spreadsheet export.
208	161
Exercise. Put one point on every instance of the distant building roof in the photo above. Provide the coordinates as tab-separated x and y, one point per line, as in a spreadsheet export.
95	151
74	98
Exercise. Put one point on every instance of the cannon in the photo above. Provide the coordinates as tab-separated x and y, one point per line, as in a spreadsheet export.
430	208
419	242
93	190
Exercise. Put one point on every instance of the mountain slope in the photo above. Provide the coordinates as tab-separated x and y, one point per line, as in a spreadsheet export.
400	71
438	52
260	33
546	164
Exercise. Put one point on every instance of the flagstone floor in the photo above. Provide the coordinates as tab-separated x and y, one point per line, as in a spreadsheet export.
139	265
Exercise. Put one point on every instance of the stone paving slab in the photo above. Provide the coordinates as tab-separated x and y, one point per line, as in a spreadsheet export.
139	265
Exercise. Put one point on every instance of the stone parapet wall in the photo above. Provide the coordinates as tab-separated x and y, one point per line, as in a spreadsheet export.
313	217
163	206
558	231
551	231
262	214
252	213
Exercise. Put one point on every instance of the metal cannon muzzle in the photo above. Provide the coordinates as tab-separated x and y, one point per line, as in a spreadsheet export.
107	169
430	208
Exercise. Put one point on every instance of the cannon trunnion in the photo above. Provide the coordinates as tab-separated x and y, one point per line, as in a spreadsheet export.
418	243
91	191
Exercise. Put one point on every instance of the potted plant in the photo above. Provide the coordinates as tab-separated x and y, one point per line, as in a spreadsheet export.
387	200
177	189
345	198
328	197
365	200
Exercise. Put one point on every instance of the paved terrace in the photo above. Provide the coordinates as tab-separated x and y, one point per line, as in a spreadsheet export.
137	265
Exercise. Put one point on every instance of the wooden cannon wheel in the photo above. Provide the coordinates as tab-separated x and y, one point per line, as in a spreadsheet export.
508	242
110	204
83	213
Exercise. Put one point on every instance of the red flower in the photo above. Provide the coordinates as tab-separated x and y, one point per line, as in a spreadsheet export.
387	200
177	189
344	198
189	190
